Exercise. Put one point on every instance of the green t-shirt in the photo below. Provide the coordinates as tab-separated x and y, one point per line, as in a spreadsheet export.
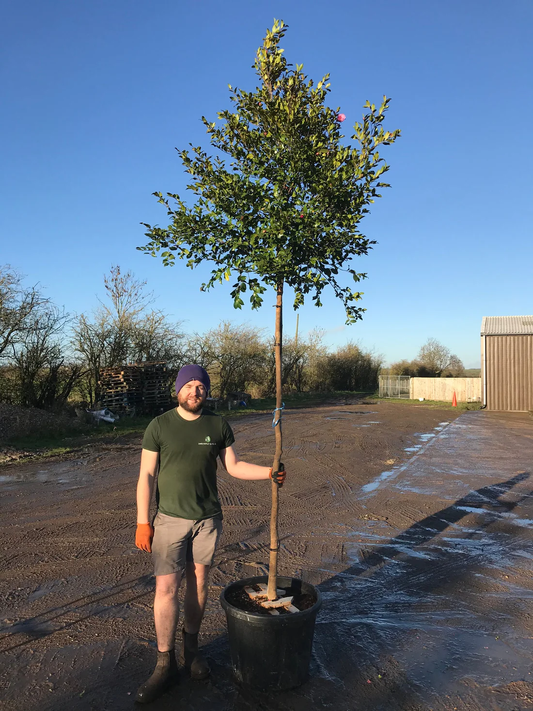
188	451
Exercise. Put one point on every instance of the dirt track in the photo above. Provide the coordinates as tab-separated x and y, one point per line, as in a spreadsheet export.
423	555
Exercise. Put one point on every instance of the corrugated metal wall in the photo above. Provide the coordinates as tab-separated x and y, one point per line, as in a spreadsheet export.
510	373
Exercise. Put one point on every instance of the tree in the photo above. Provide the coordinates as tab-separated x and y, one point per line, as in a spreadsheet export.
128	300
436	358
404	367
455	368
123	330
349	368
295	356
237	357
315	376
93	342
280	203
17	304
154	338
43	377
32	345
198	351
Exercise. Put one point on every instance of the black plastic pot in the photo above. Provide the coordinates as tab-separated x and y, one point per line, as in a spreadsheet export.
271	652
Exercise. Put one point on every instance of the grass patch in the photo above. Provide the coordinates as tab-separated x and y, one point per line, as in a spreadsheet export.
433	404
295	401
57	443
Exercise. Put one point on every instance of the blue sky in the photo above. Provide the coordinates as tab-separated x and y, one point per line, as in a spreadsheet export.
96	95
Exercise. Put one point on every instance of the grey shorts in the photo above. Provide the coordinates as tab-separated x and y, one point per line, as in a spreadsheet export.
178	541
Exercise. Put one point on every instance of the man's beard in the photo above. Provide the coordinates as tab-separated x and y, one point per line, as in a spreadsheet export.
192	407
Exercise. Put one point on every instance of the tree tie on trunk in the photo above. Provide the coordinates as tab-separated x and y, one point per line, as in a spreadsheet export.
274	421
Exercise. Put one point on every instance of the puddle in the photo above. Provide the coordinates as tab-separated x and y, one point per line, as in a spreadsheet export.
424	437
62	473
41	476
494	513
340	415
524	522
373	485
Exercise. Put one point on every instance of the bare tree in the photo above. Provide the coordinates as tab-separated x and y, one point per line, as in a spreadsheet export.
154	338
434	357
127	296
93	342
200	351
43	377
17	304
455	368
434	360
238	356
122	330
294	359
314	376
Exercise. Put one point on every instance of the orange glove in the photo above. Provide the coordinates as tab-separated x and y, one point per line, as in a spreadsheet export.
143	536
279	476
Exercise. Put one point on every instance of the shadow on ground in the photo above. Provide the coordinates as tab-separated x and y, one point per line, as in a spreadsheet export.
429	600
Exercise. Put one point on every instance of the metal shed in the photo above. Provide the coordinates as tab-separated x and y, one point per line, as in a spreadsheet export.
507	362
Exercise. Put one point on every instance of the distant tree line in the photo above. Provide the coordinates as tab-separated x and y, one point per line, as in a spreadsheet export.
49	358
433	361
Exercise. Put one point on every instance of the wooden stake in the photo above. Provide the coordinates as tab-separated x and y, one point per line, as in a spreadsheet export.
261	593
272	606
280	602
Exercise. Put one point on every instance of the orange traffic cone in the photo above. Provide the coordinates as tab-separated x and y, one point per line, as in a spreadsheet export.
454	400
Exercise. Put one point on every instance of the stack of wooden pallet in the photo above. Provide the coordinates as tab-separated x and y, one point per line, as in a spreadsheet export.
136	389
156	387
121	389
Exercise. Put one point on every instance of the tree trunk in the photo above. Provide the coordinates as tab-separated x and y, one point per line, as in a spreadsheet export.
274	541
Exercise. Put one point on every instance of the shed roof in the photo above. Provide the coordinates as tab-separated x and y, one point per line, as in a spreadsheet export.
506	325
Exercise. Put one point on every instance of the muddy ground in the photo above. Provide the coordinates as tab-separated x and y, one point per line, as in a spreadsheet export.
416	526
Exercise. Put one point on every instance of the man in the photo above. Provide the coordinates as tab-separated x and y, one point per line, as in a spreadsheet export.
184	444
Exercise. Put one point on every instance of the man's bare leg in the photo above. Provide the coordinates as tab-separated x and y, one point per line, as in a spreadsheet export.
194	607
166	610
195	596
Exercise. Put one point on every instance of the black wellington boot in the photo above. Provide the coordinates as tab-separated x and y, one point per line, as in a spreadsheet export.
191	658
165	675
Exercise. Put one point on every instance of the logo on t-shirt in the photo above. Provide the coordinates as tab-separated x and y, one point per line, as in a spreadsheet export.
207	441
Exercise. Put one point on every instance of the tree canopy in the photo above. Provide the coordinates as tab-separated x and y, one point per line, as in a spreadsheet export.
281	200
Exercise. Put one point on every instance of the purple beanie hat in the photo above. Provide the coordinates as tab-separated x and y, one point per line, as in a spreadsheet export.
192	372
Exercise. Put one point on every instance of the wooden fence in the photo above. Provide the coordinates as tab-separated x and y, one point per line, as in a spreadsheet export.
466	389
